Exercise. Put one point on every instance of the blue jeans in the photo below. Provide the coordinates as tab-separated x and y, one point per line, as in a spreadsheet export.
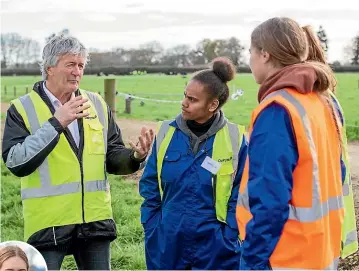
88	254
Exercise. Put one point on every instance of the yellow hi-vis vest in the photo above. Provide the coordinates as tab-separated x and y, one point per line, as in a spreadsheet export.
349	230
66	190
226	146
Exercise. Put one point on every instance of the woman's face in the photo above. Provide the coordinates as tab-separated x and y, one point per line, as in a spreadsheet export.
14	264
196	105
259	64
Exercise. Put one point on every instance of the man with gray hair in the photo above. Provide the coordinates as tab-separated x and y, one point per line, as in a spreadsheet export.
62	141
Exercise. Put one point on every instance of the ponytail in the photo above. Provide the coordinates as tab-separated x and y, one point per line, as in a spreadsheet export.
316	57
315	50
326	81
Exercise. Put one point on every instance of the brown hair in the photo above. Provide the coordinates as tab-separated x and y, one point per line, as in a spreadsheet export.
215	79
315	50
316	53
13	251
289	44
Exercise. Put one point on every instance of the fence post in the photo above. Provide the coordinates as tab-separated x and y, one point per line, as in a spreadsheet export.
110	94
5	91
128	105
27	90
14	91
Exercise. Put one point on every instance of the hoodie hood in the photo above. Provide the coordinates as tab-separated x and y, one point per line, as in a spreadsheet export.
219	122
301	77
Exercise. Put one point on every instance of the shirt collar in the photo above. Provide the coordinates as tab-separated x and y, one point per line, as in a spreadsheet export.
52	97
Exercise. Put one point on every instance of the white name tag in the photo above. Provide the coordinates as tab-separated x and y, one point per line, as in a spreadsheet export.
211	165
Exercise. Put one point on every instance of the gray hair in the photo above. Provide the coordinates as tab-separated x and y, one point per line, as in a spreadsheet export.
59	46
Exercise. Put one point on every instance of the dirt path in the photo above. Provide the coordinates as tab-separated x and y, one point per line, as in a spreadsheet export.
4	107
354	158
131	128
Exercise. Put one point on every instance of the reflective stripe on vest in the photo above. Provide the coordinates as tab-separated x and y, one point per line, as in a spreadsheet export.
318	209
46	188
223	188
332	266
349	231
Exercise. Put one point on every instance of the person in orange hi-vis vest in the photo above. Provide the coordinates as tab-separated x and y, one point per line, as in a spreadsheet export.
290	204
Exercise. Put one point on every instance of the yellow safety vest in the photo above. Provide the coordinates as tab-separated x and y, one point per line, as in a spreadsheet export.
226	146
349	230
64	190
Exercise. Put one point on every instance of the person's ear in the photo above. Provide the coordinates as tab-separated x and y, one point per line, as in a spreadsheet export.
214	106
50	71
265	56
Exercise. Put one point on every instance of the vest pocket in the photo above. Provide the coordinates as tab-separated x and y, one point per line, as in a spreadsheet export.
225	169
170	164
96	144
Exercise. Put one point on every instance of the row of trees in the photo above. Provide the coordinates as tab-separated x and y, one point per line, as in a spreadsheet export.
21	52
153	53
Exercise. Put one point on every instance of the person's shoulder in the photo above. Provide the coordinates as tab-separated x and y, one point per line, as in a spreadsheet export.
274	119
240	126
272	109
165	124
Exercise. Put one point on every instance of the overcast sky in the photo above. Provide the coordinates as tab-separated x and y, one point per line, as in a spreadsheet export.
106	24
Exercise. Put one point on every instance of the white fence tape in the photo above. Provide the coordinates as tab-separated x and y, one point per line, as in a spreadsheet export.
235	96
238	93
145	99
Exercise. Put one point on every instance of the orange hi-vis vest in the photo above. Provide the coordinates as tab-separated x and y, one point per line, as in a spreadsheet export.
311	237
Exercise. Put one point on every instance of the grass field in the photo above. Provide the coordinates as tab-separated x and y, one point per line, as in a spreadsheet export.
127	250
162	87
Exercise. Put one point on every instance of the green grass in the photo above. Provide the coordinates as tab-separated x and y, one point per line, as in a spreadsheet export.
147	86
127	251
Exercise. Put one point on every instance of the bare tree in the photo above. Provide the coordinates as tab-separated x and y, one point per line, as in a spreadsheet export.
150	53
351	51
177	56
232	49
10	46
355	51
29	52
323	38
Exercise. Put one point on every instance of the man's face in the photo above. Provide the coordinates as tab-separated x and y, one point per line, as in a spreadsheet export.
68	72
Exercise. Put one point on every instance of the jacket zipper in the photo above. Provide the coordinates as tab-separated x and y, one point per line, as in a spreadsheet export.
70	140
53	232
214	187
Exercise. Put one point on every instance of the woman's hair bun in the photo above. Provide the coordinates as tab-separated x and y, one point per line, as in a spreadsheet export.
224	68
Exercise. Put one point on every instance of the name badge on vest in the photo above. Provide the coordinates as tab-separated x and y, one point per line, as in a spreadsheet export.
211	165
